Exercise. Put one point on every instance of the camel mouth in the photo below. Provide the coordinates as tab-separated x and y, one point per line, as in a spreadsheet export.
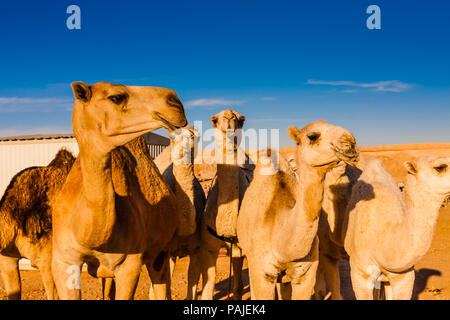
347	153
170	126
326	164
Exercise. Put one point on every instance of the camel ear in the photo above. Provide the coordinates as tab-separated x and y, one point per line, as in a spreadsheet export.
411	167
294	133
240	120
82	91
214	120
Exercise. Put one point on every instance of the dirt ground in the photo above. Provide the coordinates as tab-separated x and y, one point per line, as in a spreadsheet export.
432	275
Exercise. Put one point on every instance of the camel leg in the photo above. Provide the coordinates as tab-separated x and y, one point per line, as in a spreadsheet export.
320	288
401	286
67	279
11	277
159	272
363	284
284	291
193	276
304	289
108	288
238	284
45	268
261	288
172	263
330	267
209	259
127	278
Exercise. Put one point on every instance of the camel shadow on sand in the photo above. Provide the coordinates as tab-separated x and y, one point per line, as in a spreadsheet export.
420	284
223	286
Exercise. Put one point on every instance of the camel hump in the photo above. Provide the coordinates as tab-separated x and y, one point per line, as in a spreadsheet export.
64	159
27	199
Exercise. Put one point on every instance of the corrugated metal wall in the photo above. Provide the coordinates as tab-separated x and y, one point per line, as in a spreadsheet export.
16	156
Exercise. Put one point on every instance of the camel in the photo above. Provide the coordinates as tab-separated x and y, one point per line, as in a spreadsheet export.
115	212
337	190
177	166
25	222
218	224
386	232
278	218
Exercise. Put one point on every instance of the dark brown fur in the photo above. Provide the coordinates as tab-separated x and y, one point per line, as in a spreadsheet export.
26	205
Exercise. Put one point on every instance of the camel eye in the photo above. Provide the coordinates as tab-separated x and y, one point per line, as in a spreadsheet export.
441	168
313	137
118	99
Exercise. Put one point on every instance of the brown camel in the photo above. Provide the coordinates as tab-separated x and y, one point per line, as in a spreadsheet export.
25	222
115	212
278	219
218	224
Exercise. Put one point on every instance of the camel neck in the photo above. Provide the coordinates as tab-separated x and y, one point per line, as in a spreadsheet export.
422	209
184	192
95	226
300	226
310	191
227	199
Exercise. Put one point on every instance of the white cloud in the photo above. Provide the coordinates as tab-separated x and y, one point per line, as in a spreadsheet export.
213	102
16	104
382	86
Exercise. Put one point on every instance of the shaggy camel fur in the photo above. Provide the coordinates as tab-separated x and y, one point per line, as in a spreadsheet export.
25	222
387	232
177	164
222	207
115	212
278	219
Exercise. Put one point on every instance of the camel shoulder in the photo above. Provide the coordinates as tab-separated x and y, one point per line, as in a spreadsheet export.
272	194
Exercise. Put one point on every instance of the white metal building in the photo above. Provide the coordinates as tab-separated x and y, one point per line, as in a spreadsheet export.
18	153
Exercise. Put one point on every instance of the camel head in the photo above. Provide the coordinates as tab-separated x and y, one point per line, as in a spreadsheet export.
227	129
184	141
322	145
107	115
429	173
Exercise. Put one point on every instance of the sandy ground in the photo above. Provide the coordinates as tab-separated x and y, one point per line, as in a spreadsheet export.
432	275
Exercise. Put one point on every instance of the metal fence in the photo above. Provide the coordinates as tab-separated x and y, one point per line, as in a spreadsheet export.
155	150
16	156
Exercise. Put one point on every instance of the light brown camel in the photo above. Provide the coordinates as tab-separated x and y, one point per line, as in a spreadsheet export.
222	207
388	232
115	212
278	219
177	165
25	222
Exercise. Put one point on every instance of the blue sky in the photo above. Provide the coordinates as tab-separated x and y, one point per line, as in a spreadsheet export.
279	63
